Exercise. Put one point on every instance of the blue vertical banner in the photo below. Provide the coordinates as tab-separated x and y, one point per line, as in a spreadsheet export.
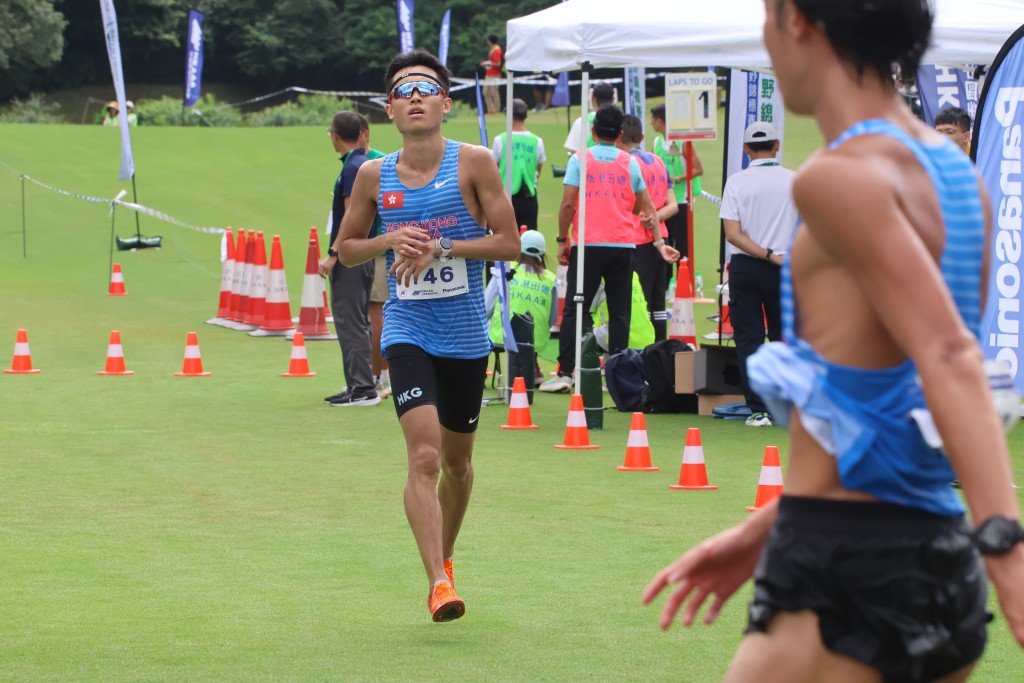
117	72
406	33
997	153
442	42
194	58
480	111
943	87
753	96
636	97
560	98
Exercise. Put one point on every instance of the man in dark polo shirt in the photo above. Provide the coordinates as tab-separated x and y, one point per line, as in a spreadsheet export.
350	287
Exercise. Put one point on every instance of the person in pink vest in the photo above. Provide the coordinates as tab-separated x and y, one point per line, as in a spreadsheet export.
615	193
654	273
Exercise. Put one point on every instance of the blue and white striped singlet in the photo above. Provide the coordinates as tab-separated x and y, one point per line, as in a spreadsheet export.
861	416
449	327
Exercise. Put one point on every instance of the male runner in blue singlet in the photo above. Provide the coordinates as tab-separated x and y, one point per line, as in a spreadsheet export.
866	569
437	201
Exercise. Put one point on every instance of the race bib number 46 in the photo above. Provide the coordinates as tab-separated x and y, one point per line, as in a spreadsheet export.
439	280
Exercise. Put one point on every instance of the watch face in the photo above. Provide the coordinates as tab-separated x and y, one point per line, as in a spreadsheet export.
446	243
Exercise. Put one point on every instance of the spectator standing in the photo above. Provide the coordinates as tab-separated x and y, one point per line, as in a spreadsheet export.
528	158
492	72
602	94
674	158
955	124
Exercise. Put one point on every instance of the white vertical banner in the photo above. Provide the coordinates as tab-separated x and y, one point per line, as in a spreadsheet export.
636	95
753	97
116	70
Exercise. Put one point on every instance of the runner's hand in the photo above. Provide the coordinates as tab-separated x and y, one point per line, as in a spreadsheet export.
1007	574
719	566
409	242
407	269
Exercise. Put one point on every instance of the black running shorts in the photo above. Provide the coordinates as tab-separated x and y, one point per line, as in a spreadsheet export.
898	589
454	385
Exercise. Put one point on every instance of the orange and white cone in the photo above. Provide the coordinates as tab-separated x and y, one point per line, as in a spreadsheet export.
693	475
577	438
519	407
245	286
193	365
277	315
683	326
22	362
226	273
769	484
236	281
638	450
315	236
116	282
313	314
724	329
299	365
257	285
115	357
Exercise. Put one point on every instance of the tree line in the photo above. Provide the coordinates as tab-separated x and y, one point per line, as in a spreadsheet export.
49	45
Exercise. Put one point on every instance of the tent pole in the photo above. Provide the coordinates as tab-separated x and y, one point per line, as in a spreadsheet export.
507	150
582	212
721	224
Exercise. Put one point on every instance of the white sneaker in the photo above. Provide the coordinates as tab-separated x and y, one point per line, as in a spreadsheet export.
559	384
759	420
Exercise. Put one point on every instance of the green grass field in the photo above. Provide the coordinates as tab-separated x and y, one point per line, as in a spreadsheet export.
233	527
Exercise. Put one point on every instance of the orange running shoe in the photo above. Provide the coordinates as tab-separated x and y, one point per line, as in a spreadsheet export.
449	569
444	604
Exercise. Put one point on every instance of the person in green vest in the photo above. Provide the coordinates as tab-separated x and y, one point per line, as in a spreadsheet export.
531	290
600	95
528	158
674	157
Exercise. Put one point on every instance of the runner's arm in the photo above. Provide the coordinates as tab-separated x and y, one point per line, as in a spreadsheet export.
353	245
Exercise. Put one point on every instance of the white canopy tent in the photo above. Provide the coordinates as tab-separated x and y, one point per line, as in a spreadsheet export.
689	33
676	33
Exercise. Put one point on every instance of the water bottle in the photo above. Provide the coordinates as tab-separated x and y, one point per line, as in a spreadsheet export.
698	284
670	293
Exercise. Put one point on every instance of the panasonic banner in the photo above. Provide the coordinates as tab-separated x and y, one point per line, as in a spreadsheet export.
945	87
117	72
194	58
996	149
406	33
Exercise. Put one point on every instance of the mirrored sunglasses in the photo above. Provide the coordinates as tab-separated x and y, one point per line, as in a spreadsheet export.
425	89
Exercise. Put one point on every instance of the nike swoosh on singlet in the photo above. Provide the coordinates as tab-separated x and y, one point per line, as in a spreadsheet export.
441	183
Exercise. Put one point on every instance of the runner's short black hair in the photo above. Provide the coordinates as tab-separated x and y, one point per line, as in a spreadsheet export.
414	58
873	35
604	94
348	125
954	116
608	123
632	129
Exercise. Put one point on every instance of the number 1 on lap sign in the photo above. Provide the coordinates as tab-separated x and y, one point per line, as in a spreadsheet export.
691	106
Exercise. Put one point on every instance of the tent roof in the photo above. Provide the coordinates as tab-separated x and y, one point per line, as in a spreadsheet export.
676	33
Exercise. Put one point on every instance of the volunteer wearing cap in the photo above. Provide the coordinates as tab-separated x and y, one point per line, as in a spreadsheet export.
531	290
759	219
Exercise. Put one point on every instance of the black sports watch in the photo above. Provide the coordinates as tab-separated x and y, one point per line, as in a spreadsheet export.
997	535
446	247
768	256
331	252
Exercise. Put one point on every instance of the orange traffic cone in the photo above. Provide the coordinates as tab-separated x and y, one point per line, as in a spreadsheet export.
22	362
769	484
116	282
519	408
638	451
693	476
226	273
683	326
258	284
315	236
577	438
299	365
313	314
236	280
115	357
248	274
193	366
724	329
277	315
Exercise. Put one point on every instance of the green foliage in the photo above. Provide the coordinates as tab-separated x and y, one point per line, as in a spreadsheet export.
307	110
33	110
30	34
166	111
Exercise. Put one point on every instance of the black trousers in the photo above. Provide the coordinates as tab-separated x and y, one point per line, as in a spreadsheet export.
654	274
753	298
614	265
525	208
679	230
